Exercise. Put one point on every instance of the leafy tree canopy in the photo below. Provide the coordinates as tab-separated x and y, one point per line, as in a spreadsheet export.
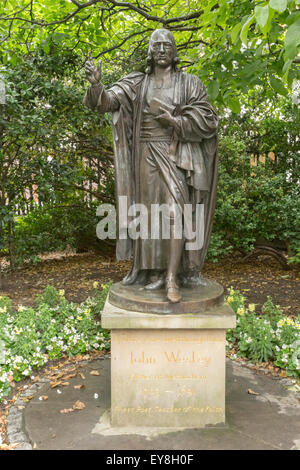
232	45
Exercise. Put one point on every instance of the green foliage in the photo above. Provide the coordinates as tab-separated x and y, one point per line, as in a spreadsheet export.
52	150
5	304
218	248
50	297
295	258
258	200
56	228
270	336
53	329
236	44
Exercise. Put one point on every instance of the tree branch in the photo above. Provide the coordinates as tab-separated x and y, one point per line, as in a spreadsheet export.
143	11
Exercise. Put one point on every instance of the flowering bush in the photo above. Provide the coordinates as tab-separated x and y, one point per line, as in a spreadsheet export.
270	336
55	328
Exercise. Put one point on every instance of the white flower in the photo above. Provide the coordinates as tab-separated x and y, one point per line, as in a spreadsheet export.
4	377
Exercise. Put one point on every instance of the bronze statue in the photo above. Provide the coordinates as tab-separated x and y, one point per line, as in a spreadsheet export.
165	146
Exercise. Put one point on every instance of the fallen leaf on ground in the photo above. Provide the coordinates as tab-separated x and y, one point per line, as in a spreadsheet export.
82	375
9	446
70	376
21	407
66	410
251	392
55	384
78	405
294	388
94	372
56	376
79	357
26	399
3	420
44	397
78	387
65	384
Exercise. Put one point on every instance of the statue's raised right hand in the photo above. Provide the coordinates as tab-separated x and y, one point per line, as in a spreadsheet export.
92	73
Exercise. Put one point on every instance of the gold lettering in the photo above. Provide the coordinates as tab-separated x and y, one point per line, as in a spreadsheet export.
186	391
170	340
172	357
143	359
138	377
151	391
157	409
177	358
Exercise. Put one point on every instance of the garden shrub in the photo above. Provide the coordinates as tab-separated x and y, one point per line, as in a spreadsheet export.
55	328
270	336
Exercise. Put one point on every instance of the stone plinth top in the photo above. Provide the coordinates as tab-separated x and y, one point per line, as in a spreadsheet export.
194	300
220	317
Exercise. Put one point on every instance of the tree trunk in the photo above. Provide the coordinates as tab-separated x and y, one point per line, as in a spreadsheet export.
12	244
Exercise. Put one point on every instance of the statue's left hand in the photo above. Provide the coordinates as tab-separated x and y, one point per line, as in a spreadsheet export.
166	118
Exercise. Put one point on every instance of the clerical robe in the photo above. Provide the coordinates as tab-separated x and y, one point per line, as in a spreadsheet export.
157	164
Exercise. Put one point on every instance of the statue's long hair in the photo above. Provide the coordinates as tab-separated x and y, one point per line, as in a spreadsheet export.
150	61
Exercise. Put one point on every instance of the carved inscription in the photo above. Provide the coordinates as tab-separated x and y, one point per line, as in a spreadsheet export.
158	409
172	377
174	357
179	358
141	359
182	392
179	339
167	377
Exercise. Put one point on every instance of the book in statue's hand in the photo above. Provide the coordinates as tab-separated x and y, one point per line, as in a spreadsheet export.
157	107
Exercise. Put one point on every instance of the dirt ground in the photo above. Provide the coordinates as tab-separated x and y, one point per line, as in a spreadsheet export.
75	273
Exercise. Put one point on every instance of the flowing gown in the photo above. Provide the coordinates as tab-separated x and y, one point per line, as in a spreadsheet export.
161	165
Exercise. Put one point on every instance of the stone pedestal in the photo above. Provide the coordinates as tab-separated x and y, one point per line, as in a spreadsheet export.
168	370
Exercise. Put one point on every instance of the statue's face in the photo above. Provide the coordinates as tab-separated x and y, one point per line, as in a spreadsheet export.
162	49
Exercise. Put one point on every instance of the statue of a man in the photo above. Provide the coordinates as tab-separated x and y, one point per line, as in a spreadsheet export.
165	146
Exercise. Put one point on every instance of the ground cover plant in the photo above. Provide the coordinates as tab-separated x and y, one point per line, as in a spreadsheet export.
270	336
30	337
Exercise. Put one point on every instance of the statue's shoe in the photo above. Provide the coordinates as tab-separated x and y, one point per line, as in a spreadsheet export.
173	294
130	278
158	284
